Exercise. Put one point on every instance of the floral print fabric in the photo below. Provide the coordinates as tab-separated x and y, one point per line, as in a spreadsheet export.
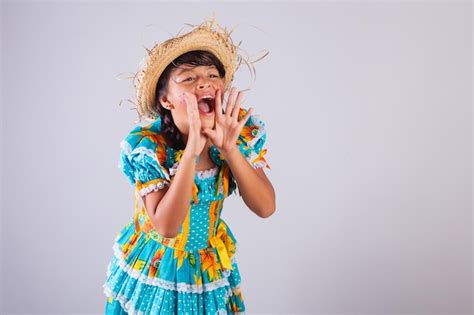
195	272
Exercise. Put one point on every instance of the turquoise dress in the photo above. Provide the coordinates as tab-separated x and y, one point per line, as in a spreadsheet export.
195	272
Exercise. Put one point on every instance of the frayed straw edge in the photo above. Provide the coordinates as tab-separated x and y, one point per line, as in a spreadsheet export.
209	23
250	63
141	118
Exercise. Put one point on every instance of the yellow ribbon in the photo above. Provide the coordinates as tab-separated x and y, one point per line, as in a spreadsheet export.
136	212
217	243
195	191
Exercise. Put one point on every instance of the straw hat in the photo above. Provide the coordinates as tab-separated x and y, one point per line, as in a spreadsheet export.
208	36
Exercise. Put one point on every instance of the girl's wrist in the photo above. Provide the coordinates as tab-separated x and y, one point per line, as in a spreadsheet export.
191	156
228	152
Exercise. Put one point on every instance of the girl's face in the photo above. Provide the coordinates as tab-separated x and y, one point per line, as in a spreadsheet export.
200	81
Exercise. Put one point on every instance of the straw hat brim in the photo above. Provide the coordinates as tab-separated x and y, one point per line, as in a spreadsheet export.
203	37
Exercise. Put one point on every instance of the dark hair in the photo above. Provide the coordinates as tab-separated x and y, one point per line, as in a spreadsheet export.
194	58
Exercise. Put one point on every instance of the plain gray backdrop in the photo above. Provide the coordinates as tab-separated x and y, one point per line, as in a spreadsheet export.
368	109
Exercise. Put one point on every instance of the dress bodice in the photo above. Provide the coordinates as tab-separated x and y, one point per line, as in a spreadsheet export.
151	274
150	164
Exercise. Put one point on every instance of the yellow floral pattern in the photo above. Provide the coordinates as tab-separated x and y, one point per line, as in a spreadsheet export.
168	267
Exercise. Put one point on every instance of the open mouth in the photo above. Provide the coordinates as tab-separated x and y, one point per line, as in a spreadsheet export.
206	105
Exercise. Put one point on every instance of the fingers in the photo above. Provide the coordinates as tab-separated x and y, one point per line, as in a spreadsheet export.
191	102
188	102
218	103
192	109
233	107
230	101
235	110
190	97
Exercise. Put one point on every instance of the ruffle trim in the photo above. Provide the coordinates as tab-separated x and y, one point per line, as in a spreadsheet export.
130	309
169	285
250	142
127	150
211	172
228	285
208	189
148	188
202	174
173	169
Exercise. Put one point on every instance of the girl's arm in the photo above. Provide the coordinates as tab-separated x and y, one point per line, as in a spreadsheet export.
167	210
254	186
168	207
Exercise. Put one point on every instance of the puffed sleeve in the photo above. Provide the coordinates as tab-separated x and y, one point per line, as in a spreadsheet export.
252	139
140	155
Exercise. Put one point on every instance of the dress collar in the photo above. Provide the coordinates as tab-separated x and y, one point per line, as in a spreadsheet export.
174	156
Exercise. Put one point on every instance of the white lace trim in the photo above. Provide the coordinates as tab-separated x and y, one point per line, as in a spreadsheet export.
169	285
146	151
258	164
207	173
124	302
174	168
125	146
153	187
200	174
130	308
127	149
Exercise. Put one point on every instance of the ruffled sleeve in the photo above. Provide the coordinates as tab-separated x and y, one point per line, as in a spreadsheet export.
142	160
251	140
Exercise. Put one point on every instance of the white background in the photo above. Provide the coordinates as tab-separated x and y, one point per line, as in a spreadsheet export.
368	109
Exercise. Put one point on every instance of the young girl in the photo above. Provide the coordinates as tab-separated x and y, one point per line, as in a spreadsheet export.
177	255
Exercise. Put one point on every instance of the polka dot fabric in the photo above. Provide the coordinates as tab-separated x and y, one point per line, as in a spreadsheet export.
195	272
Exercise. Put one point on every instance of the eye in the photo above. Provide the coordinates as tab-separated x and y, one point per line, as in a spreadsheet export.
215	76
187	79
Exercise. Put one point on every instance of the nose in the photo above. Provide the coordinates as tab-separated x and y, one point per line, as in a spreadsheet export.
202	85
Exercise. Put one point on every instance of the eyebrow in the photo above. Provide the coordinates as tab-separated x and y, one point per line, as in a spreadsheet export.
181	70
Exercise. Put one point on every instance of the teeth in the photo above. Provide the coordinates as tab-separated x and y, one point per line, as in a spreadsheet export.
207	97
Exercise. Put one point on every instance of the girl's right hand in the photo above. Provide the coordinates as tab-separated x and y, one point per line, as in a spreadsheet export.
196	139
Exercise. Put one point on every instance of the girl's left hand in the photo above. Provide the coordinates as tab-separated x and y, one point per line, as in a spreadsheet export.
227	127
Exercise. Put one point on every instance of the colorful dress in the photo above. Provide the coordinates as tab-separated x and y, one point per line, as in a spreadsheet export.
195	272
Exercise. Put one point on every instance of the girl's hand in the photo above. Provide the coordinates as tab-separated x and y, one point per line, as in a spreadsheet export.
227	128
196	140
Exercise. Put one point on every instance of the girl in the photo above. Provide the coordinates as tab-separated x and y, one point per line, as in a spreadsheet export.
177	255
